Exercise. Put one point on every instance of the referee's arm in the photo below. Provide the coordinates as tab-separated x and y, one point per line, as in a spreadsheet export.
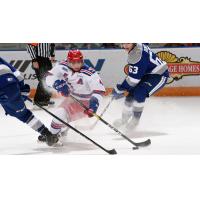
32	51
52	52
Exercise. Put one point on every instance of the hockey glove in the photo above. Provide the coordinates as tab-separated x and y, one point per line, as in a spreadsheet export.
93	106
118	92
25	90
61	87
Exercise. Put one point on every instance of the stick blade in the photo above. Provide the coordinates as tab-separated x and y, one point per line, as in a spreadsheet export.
112	152
144	144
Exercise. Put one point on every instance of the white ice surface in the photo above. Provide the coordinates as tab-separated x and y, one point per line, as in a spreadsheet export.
172	123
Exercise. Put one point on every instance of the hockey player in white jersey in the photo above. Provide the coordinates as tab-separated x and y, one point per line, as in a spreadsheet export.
73	77
146	74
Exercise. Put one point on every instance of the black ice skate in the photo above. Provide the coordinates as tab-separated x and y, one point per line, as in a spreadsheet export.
51	103
51	139
42	138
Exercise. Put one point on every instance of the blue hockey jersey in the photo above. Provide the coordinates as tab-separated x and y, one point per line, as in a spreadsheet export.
6	70
142	61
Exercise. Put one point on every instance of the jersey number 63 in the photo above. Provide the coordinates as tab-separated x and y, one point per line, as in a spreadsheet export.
130	69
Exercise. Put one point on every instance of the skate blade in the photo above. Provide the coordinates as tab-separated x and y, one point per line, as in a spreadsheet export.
63	138
58	144
41	142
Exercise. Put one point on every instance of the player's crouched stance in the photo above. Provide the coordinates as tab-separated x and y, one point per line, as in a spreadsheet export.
73	77
13	93
146	75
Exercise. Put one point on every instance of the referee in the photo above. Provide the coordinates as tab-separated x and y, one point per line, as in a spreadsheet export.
42	55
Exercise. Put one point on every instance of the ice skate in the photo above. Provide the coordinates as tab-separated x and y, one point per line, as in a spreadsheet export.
51	104
41	138
119	122
132	124
63	135
48	137
64	132
123	120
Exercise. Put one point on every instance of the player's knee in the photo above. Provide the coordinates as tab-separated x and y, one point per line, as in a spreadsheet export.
24	115
62	114
11	92
140	94
129	100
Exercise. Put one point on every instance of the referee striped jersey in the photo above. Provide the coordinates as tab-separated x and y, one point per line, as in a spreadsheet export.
45	50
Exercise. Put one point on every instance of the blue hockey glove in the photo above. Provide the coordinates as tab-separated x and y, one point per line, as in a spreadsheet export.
93	106
25	90
118	92
62	87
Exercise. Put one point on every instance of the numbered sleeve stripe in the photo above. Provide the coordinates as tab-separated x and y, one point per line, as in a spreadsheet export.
132	81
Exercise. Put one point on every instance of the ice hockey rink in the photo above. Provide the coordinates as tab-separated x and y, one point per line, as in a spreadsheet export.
172	124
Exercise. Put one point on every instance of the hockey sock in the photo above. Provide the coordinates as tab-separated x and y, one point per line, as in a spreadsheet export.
35	124
56	125
137	109
127	109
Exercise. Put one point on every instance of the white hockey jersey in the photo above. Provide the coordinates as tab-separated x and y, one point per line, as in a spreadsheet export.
83	84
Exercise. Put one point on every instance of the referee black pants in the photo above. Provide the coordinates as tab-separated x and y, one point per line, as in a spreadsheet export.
42	95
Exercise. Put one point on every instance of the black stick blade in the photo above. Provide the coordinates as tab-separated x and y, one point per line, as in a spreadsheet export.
112	151
143	144
146	143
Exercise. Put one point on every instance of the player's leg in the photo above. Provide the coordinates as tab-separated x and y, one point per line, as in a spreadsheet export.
56	125
42	95
126	112
68	111
140	93
147	86
46	66
64	112
14	106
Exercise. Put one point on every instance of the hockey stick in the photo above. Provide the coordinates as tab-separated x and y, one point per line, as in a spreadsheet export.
105	109
112	151
92	126
136	144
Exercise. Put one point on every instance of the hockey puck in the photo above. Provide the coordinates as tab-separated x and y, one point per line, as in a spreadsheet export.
135	148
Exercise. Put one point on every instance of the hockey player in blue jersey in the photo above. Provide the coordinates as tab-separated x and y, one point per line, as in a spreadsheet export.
146	75
13	93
